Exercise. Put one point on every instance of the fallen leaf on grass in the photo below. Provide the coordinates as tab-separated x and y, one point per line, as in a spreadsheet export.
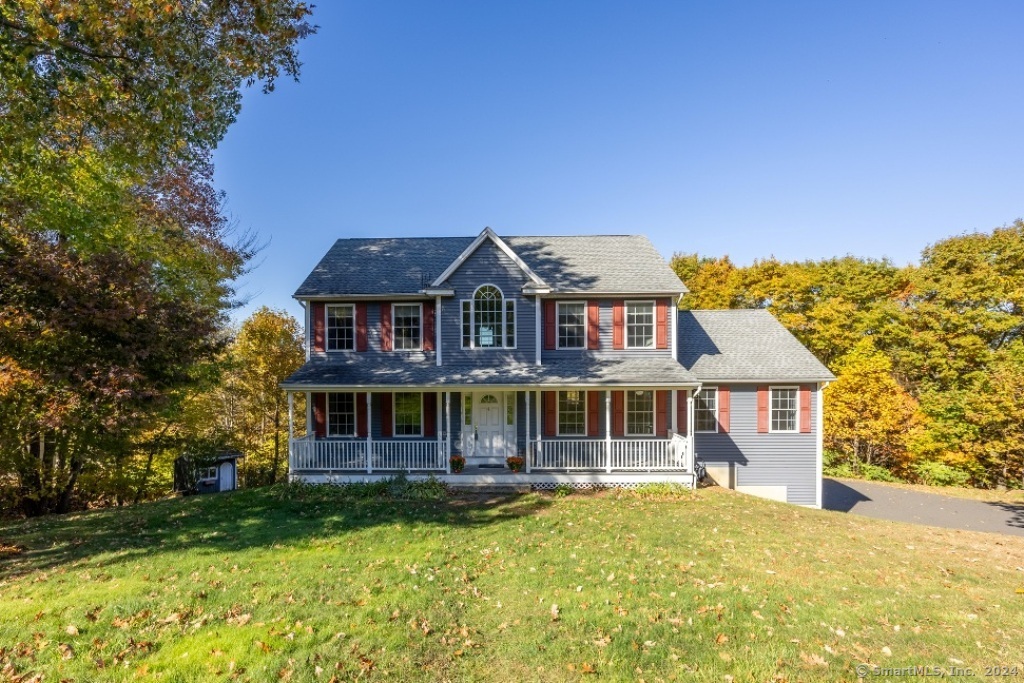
66	651
813	659
71	630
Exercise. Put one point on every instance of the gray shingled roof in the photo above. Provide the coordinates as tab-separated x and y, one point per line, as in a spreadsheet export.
744	345
387	370
578	263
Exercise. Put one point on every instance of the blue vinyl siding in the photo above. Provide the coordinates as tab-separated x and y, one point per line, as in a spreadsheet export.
487	265
605	336
763	459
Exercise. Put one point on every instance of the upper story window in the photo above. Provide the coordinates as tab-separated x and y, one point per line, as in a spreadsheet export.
407	327
639	324
572	327
341	327
784	409
705	410
488	320
639	413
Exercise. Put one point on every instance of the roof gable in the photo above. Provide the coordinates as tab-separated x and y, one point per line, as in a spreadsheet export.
487	234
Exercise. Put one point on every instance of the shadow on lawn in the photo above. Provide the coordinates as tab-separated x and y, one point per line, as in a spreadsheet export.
231	522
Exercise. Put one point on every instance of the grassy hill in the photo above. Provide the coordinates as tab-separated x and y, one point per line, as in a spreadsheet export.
299	584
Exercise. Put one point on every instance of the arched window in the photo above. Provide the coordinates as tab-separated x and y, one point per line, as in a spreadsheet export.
488	319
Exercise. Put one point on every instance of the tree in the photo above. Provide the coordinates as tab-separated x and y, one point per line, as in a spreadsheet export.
268	349
115	255
867	414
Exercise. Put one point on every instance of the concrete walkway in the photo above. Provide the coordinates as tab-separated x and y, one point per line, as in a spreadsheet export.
889	502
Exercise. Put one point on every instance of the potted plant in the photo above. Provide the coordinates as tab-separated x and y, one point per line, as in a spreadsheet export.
515	463
457	462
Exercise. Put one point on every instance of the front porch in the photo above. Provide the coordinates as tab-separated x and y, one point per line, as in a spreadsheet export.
326	457
578	436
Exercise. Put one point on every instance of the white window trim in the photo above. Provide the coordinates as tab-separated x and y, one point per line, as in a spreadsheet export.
327	333
558	415
406	303
654	413
796	422
394	416
558	334
327	416
472	320
654	325
207	470
716	429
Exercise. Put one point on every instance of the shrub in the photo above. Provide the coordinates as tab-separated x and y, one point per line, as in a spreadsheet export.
661	490
563	490
939	474
876	473
458	463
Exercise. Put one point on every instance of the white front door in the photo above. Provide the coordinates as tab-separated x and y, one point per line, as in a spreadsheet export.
490	426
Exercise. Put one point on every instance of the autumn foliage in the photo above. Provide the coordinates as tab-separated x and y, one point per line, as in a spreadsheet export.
928	357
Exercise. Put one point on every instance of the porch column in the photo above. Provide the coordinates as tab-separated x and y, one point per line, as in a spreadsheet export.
607	430
291	434
529	462
369	433
448	432
540	428
689	428
437	428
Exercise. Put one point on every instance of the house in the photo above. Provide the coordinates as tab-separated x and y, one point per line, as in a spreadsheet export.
567	351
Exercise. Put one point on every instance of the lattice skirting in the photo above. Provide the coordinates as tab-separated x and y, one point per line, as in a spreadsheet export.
592	486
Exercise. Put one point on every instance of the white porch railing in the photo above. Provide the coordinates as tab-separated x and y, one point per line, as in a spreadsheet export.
307	453
623	454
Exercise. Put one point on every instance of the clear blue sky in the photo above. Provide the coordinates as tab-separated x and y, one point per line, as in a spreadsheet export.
799	130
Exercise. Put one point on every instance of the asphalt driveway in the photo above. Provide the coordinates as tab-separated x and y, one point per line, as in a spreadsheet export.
888	502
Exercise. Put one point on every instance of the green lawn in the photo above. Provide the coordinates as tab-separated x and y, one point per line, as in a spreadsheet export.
299	585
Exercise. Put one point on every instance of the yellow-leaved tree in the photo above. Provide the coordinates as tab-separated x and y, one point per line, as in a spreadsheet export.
869	417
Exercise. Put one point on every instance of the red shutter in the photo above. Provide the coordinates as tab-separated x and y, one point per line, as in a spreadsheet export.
550	413
660	413
385	415
550	327
805	409
724	410
618	325
320	415
428	326
386	342
593	413
319	316
618	413
762	410
360	327
593	326
430	414
361	414
681	412
661	326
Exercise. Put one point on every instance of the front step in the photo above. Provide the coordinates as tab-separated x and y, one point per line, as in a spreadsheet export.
476	461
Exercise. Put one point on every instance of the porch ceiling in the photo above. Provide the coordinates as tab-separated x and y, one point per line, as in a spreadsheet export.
357	370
